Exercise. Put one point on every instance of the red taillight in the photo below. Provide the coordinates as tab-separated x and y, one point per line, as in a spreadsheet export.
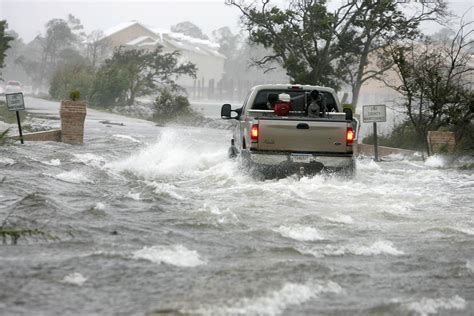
254	132
349	136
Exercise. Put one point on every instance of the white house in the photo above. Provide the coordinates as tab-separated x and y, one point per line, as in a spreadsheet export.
203	53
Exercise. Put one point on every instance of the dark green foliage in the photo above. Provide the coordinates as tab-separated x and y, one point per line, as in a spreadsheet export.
190	29
3	136
435	84
75	95
403	136
12	235
71	77
317	45
133	73
4	42
170	103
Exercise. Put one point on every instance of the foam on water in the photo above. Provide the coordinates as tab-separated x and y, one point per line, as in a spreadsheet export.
100	206
381	247
300	232
127	137
52	162
133	196
427	306
73	176
75	278
165	189
89	159
275	303
470	265
176	255
340	219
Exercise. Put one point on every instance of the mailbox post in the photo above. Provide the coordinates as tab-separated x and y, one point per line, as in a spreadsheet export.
374	114
15	102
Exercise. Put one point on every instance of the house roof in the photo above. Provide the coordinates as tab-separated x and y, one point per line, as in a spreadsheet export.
178	40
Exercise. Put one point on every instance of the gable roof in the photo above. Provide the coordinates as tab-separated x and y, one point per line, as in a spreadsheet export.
178	40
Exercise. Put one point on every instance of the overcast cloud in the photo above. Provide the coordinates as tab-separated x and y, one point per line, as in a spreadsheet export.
28	17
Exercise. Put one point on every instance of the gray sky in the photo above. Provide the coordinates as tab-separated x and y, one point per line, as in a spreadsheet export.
28	17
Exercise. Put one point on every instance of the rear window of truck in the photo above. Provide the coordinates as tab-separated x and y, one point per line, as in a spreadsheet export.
299	99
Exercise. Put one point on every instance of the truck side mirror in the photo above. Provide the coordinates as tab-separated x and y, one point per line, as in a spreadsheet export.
349	114
226	111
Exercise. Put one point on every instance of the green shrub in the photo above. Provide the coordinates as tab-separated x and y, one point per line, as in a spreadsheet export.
403	136
75	95
3	136
170	103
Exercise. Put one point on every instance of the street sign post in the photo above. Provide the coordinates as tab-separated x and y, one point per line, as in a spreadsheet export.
15	102
374	114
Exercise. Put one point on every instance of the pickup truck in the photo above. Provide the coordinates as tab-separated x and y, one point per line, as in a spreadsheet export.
298	141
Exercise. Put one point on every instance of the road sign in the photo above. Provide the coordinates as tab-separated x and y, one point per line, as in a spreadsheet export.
374	113
15	101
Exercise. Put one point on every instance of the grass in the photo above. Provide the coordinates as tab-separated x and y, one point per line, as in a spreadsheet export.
9	116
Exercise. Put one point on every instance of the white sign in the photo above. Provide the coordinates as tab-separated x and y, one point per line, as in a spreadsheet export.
15	101
374	113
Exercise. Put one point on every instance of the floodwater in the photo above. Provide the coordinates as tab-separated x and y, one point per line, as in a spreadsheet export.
145	219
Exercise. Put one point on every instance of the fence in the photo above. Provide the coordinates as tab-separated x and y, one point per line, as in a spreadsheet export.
222	90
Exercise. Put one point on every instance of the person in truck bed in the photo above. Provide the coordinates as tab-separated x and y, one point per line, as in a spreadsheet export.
317	106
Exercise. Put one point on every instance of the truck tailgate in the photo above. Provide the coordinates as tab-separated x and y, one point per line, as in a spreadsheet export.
302	135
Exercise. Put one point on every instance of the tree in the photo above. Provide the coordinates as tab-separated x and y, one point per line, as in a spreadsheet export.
5	39
69	77
435	81
190	29
96	47
316	46
140	72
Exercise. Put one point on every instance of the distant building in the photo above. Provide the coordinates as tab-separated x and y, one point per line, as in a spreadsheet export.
203	53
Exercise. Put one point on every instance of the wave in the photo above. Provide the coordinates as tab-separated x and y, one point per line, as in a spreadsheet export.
300	232
176	255
427	306
75	278
73	177
381	247
274	303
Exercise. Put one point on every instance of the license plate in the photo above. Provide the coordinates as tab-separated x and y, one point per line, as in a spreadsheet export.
301	158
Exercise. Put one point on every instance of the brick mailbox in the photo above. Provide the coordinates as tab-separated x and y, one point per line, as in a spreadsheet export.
441	142
73	115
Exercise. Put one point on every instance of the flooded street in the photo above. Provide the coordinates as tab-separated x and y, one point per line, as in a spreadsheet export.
148	219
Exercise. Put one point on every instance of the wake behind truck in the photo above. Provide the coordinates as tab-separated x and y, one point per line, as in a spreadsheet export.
286	129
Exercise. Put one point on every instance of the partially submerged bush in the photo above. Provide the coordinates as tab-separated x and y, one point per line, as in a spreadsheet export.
3	136
171	103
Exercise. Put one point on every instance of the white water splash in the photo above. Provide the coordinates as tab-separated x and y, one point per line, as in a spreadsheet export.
470	266
7	161
177	255
435	161
274	303
381	247
100	206
75	278
165	189
73	177
173	155
127	137
427	306
300	232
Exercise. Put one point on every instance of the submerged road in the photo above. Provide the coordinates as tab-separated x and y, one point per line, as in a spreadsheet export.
147	219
